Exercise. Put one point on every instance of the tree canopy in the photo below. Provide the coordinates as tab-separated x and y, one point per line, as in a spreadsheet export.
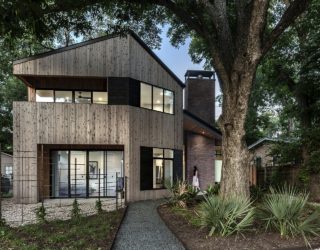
233	37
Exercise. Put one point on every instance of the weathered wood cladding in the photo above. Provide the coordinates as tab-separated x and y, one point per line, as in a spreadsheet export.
93	124
89	124
114	57
104	58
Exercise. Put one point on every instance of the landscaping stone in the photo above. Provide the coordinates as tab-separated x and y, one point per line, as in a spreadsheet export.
22	214
143	228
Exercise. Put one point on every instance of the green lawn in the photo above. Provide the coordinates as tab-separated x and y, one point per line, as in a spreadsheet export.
93	232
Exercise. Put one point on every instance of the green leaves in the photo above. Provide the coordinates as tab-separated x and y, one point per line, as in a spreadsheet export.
226	216
285	211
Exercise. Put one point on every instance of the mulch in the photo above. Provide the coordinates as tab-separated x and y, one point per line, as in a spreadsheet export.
193	237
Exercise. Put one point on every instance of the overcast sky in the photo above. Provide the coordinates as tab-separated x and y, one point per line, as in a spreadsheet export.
179	61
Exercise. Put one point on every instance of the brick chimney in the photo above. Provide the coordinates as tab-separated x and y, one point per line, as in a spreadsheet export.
200	94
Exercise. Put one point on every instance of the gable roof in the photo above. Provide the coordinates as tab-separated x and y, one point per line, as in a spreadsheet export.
262	141
99	39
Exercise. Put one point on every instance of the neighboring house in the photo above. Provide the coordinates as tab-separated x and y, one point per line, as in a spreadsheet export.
6	165
266	165
108	106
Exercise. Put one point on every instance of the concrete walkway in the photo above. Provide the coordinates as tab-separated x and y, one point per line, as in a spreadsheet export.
142	228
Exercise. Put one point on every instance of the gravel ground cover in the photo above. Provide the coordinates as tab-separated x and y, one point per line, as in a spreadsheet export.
142	228
57	209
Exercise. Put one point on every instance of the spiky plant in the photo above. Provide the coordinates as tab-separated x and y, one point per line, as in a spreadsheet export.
284	210
226	216
180	193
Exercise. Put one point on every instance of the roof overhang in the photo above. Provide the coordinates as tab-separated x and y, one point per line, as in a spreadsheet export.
194	124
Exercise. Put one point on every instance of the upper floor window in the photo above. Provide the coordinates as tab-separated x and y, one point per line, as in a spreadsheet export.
145	96
155	98
63	96
69	96
44	95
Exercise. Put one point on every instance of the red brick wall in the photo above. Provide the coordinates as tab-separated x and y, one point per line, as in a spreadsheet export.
200	153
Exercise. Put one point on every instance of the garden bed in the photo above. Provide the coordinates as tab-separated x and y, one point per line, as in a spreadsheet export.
92	232
194	237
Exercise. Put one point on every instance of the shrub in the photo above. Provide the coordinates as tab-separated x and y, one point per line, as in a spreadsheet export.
41	214
225	216
256	193
213	189
180	193
99	206
75	212
284	210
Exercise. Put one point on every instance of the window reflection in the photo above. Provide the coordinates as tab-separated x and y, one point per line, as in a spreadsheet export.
168	101
146	96
100	97
82	97
158	99
63	96
43	95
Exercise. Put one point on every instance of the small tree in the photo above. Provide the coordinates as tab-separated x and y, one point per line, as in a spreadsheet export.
99	206
76	211
41	214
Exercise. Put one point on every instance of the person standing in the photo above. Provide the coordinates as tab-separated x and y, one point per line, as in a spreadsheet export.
195	178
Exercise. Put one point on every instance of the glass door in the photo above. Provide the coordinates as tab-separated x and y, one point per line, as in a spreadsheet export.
114	169
60	176
97	173
78	173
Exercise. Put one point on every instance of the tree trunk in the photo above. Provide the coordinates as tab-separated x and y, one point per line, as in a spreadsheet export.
314	187
236	158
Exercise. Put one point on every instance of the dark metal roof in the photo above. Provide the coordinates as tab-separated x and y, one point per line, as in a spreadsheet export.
99	39
193	116
197	73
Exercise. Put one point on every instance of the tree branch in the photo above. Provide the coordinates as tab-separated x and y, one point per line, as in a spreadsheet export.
295	9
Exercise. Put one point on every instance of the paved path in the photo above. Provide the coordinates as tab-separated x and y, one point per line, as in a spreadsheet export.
142	228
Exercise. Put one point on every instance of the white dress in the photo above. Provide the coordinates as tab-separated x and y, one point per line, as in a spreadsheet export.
195	181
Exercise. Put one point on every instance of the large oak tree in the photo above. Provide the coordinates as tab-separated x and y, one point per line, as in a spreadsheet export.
232	35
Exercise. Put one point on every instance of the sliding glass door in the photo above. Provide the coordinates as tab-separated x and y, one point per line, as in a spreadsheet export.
78	173
114	168
97	173
85	173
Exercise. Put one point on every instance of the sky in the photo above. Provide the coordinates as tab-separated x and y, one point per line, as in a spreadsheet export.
179	61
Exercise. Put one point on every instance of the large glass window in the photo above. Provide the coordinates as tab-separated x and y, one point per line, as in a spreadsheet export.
145	96
43	95
69	96
97	171
100	97
60	173
82	97
162	167
158	99
63	96
168	101
82	173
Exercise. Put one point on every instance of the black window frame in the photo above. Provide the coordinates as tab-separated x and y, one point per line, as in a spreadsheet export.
73	95
163	89
87	196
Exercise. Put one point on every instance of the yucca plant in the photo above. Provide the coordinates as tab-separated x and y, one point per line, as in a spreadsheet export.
180	193
226	216
284	210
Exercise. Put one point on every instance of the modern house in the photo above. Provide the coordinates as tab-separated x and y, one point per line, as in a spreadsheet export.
108	108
